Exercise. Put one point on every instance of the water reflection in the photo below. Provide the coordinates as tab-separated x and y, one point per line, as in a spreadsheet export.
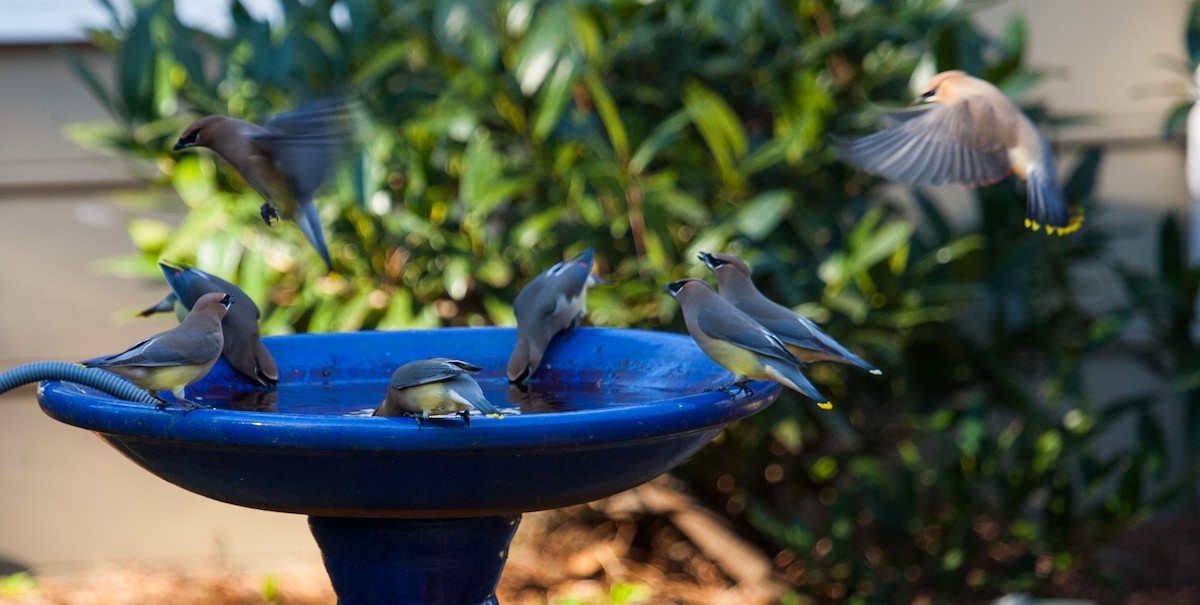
361	398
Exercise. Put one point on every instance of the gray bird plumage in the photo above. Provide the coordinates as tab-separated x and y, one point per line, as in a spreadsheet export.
967	133
243	349
285	160
176	358
804	338
553	301
737	342
430	387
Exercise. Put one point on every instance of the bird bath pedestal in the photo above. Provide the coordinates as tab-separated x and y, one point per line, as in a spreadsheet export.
423	515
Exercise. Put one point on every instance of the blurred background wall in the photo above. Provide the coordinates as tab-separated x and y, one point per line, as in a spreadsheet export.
68	501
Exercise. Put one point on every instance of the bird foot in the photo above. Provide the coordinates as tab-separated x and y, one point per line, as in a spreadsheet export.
268	213
191	406
466	416
728	388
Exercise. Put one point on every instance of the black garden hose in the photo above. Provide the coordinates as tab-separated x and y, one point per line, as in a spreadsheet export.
103	380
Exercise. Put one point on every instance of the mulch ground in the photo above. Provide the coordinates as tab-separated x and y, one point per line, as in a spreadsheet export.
653	544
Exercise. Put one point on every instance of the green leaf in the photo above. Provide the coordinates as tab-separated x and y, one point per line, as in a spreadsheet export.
1175	123
1014	35
663	135
1172	259
553	98
760	215
540	49
1083	179
609	115
719	126
136	66
1192	34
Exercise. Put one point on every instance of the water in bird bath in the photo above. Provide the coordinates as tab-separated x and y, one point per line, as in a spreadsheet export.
359	398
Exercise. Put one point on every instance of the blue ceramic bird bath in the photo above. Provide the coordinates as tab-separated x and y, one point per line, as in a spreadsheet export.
424	515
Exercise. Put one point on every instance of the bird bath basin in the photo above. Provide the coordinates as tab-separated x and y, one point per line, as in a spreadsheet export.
405	514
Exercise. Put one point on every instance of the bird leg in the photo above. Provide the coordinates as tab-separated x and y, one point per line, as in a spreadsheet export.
268	213
728	388
419	417
466	416
160	404
191	406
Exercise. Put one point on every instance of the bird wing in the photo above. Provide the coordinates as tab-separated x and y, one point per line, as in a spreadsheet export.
730	325
934	144
543	297
166	349
424	372
303	143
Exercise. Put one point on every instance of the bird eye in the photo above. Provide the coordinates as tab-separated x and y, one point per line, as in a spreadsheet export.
929	93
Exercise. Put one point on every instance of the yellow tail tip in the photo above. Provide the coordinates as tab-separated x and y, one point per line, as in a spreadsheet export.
876	372
494	415
1074	222
825	405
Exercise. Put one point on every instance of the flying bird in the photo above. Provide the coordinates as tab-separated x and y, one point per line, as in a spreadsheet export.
429	387
285	160
803	337
966	132
176	358
737	342
243	349
554	301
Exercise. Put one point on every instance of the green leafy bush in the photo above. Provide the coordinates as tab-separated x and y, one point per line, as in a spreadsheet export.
496	137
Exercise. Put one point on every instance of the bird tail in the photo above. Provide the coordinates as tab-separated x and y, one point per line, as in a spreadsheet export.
792	378
1046	208
486	407
309	221
836	353
165	305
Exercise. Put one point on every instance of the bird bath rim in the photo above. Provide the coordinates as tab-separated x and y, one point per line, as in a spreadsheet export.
355	466
96	411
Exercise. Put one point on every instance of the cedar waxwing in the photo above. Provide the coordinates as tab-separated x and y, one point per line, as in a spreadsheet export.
803	338
429	387
555	300
737	342
969	133
243	348
172	360
285	160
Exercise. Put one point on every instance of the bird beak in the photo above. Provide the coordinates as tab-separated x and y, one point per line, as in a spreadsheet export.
673	288
705	258
583	259
227	301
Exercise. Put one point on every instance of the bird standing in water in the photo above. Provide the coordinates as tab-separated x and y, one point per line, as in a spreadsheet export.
429	387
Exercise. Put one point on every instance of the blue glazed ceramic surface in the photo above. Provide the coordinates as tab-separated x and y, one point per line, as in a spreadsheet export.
609	410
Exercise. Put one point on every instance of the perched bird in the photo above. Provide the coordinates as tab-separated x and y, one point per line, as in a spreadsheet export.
285	160
967	132
803	338
243	348
429	387
737	342
554	301
172	360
